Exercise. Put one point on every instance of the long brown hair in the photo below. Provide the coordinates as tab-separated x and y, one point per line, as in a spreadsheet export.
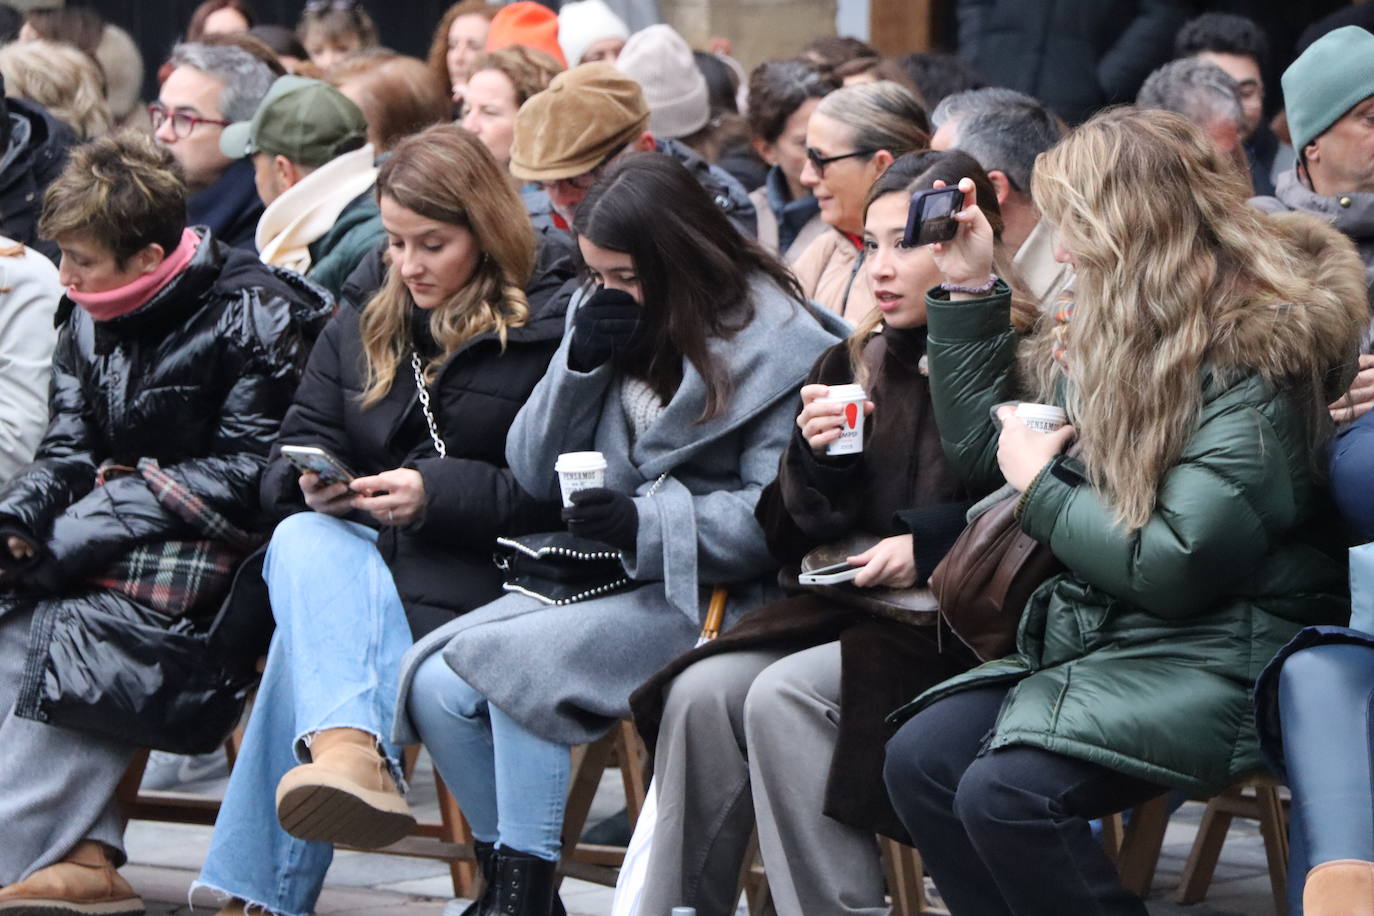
918	172
1174	272
694	268
437	58
446	174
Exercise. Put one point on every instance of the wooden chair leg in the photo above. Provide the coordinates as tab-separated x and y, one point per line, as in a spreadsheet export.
630	755
753	882
1202	860
1274	830
1141	843
126	793
906	880
455	829
1112	831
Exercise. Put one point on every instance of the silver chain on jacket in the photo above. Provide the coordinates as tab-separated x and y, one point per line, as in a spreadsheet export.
423	391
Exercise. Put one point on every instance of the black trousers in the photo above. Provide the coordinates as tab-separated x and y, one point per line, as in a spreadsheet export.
1007	832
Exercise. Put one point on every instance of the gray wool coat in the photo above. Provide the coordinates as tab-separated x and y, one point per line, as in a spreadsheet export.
566	673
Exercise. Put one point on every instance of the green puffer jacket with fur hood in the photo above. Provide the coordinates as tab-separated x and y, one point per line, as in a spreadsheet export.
1141	656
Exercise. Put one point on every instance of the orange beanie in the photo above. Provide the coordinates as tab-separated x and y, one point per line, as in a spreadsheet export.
526	23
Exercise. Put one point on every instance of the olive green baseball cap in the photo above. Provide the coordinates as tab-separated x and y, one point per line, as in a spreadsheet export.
307	121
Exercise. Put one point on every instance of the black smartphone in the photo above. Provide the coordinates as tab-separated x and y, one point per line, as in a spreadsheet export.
930	218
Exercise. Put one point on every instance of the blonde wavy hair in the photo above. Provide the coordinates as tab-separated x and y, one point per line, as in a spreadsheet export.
1174	272
446	174
62	79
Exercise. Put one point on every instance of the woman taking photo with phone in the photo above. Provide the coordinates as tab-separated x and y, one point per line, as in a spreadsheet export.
780	720
680	369
415	391
1195	362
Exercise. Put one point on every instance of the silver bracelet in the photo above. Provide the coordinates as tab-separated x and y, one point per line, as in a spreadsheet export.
973	290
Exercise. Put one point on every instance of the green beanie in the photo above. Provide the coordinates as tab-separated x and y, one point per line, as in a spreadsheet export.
1332	76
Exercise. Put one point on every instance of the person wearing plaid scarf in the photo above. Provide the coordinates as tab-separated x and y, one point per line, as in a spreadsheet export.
175	363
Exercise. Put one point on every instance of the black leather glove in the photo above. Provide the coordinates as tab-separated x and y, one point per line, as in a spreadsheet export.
608	325
603	515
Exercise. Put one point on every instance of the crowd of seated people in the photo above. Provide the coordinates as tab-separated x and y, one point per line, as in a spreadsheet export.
288	352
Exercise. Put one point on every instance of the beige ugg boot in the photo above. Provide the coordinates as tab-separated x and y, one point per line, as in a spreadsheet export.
1341	887
83	884
345	795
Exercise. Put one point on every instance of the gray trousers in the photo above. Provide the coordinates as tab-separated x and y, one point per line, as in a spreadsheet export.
57	786
745	736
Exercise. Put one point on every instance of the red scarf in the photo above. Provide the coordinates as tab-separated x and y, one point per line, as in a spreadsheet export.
114	303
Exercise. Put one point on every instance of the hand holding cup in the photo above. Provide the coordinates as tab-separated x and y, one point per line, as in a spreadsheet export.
822	418
1023	452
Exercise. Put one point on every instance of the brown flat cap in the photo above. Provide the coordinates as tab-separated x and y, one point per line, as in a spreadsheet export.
586	114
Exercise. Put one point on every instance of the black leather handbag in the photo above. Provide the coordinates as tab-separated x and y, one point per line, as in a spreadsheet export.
559	568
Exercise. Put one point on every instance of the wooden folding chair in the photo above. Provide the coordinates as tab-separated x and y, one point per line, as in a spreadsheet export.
1258	797
622	748
449	840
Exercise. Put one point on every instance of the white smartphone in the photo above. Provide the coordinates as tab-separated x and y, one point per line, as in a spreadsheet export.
315	459
829	575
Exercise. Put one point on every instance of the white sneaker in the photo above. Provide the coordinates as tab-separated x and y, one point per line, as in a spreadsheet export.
169	771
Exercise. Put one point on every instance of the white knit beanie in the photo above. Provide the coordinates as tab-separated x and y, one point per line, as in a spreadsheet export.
659	59
582	23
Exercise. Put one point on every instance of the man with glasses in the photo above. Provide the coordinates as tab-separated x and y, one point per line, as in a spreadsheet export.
569	134
210	87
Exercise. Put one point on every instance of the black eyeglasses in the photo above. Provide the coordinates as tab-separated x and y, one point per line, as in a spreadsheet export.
182	122
819	162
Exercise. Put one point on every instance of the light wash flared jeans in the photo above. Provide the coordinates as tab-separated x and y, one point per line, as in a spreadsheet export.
334	662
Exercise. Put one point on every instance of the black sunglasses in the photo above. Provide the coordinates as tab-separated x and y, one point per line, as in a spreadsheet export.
819	162
315	7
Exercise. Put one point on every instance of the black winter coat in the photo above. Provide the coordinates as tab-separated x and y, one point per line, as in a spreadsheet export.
1073	55
33	153
199	379
441	563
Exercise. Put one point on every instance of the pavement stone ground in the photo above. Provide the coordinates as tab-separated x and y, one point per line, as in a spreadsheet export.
164	860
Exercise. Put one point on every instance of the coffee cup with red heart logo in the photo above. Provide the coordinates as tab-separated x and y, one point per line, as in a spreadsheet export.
851	440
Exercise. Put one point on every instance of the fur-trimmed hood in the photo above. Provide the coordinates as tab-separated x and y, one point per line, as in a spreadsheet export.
1318	336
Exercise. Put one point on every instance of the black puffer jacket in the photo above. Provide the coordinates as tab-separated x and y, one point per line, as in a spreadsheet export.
442	562
199	379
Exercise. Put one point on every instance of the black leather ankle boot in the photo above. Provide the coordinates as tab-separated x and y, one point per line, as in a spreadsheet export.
523	886
485	854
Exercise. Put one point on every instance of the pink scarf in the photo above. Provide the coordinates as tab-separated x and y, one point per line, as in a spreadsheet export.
114	303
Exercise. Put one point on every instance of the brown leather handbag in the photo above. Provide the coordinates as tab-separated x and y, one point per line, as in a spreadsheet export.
983	583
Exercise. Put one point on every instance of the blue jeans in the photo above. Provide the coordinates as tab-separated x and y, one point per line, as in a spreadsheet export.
511	784
1326	699
334	663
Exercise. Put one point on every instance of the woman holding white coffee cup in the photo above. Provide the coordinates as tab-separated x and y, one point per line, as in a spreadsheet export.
1195	358
414	392
679	368
779	721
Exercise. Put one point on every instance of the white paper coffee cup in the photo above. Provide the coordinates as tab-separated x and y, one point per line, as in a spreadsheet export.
579	471
1043	418
851	439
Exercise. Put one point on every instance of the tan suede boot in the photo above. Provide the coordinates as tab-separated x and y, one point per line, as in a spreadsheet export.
83	884
1341	887
345	795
